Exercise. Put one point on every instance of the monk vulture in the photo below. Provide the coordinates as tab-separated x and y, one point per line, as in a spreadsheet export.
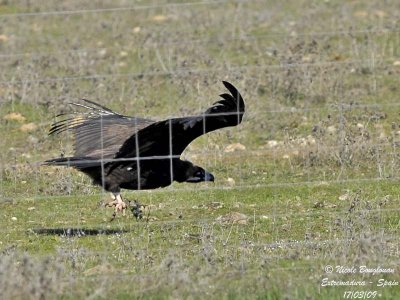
121	152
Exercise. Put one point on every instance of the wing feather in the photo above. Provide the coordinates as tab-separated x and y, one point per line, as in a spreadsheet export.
98	132
159	138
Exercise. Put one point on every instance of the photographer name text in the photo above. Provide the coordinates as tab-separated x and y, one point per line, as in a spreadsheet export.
358	270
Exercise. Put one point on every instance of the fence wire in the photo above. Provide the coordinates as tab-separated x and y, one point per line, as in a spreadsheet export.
112	9
219	39
189	71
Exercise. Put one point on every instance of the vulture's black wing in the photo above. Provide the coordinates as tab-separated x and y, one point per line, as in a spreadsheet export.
98	131
172	136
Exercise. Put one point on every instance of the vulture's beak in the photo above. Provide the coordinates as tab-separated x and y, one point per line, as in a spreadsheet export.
208	177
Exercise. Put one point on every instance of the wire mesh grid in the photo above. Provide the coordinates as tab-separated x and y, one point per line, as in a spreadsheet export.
308	178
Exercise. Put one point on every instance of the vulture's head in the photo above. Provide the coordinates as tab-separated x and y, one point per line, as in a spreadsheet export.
185	171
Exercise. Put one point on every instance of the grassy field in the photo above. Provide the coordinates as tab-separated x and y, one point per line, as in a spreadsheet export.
308	180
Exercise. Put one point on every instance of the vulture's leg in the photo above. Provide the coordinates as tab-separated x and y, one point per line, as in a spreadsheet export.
112	202
118	203
121	205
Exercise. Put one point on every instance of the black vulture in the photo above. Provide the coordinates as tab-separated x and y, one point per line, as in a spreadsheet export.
122	152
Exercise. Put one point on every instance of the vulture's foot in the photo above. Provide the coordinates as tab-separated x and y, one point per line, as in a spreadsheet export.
120	206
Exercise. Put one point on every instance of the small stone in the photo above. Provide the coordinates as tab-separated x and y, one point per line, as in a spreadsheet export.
102	52
160	18
136	29
13	116
311	140
361	14
29	127
14	219
307	59
380	13
235	147
331	129
3	38
272	144
302	142
230	181
235	218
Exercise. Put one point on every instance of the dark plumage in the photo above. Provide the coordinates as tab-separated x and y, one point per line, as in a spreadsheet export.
118	151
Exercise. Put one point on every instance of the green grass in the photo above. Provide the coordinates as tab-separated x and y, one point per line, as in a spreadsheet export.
317	182
180	236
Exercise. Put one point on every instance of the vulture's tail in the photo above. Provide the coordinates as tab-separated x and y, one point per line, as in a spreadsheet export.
75	162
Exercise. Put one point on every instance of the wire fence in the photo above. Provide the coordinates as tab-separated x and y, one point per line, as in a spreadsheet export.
112	9
340	107
188	71
220	39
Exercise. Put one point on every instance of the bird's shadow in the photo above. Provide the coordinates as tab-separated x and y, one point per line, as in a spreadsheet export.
77	232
